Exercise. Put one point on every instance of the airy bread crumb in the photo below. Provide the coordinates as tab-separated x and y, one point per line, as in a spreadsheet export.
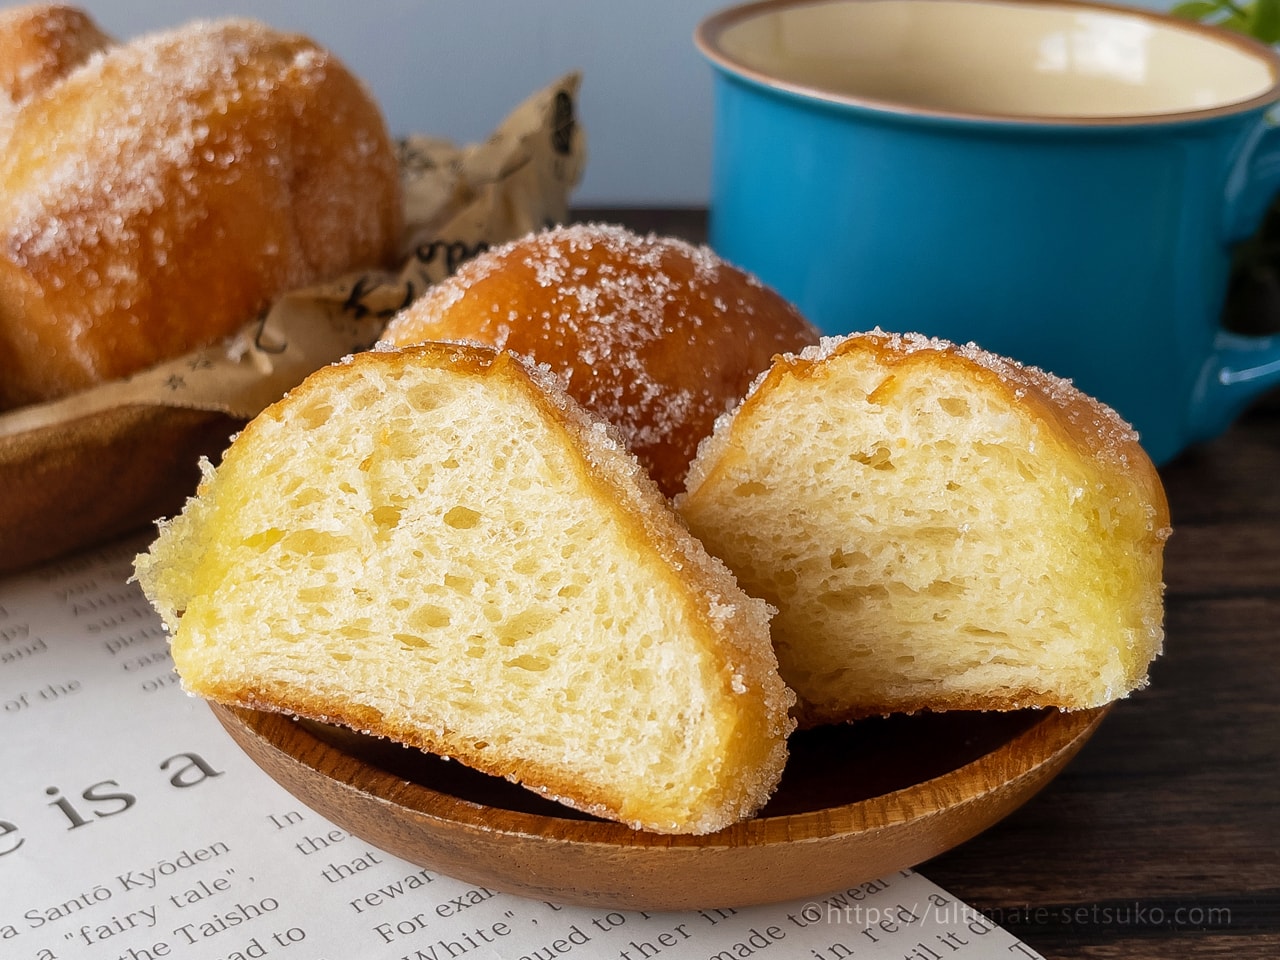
437	545
939	527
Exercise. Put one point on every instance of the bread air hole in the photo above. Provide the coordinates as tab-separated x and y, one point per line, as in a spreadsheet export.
306	497
264	539
385	519
840	560
461	518
425	396
315	543
314	415
525	625
878	458
528	661
323	594
429	617
411	640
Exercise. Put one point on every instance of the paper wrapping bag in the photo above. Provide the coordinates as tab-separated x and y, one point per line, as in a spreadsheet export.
97	464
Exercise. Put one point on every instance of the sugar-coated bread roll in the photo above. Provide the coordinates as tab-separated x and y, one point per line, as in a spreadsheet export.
158	194
39	45
657	336
939	527
439	546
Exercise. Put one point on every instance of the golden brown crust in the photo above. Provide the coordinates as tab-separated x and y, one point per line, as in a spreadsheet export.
654	335
298	701
1094	430
547	780
194	175
40	44
809	715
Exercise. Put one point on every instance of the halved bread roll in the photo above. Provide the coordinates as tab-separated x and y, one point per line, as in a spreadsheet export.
939	527
439	546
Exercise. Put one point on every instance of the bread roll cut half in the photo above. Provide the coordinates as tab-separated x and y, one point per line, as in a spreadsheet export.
438	546
939	527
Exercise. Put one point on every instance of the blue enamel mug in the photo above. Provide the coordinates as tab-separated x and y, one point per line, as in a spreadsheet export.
1059	182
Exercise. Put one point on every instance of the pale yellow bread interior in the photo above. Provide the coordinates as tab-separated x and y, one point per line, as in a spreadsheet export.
439	546
940	528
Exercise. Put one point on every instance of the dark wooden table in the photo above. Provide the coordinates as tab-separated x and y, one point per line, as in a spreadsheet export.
1162	838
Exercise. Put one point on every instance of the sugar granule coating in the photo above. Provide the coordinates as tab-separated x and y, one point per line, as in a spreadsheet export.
158	193
656	335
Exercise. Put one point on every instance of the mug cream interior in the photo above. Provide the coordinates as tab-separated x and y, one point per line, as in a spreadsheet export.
991	58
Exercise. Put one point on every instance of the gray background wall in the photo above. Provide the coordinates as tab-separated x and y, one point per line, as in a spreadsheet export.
454	68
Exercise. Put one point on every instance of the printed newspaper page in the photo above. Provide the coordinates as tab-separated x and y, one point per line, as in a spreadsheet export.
132	827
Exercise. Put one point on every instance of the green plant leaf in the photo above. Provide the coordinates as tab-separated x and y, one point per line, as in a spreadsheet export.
1196	9
1265	21
1238	23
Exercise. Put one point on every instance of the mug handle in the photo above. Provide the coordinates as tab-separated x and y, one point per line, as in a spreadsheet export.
1242	367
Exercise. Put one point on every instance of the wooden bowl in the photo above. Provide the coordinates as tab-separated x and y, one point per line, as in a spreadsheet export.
856	802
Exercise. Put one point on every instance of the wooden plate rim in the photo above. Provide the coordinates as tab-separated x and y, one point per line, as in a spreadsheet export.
1055	737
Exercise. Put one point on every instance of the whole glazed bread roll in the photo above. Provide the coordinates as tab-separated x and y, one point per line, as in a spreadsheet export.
40	44
155	195
655	335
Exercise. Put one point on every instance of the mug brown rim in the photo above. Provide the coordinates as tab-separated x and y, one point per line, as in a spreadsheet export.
708	32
